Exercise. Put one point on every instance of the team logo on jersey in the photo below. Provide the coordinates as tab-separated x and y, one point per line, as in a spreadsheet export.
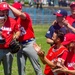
71	64
48	32
6	28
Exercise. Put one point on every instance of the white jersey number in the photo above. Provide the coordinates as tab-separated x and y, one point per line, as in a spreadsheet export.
23	31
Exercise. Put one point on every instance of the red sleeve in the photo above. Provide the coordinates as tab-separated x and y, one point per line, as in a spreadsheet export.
27	16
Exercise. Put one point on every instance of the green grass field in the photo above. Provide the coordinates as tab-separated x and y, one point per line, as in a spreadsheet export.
40	31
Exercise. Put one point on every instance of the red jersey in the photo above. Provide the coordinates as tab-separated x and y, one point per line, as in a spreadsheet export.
8	30
52	55
27	31
70	19
70	63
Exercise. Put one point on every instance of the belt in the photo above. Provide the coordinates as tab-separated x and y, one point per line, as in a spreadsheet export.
27	41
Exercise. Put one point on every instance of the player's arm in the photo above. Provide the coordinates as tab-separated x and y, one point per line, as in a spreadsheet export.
66	23
45	60
60	62
72	28
70	72
54	22
49	41
17	12
50	63
42	56
65	70
49	35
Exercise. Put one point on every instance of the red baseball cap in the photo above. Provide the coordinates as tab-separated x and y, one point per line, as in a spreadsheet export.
4	6
17	5
72	4
68	38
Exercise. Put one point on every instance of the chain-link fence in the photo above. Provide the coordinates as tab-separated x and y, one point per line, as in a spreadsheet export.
40	16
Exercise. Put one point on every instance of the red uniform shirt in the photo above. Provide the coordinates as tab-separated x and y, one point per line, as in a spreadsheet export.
52	55
8	30
26	28
70	63
70	19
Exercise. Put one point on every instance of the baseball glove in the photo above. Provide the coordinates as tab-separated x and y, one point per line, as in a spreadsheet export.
14	46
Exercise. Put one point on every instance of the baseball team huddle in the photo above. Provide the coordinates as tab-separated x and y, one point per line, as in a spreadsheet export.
17	36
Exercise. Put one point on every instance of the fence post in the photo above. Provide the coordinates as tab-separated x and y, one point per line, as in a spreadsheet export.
34	20
42	16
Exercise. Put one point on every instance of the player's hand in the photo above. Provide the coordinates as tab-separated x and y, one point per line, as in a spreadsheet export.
65	22
15	36
36	47
54	22
61	68
38	50
41	54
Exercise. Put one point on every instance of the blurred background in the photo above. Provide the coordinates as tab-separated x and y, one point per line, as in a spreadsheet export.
42	11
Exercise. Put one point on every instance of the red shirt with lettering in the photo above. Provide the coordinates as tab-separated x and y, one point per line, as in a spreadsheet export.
70	62
54	55
8	30
26	28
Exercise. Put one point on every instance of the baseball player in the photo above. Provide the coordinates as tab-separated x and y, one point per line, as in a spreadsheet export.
56	55
27	39
60	16
70	20
8	27
69	67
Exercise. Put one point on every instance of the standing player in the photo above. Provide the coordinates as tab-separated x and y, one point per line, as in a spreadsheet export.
56	55
7	31
70	20
27	39
60	16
